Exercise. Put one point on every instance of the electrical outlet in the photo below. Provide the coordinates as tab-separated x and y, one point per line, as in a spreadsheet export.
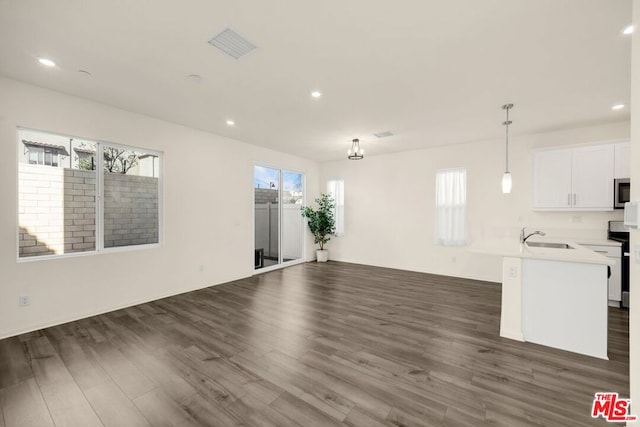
513	272
24	300
453	259
576	219
201	268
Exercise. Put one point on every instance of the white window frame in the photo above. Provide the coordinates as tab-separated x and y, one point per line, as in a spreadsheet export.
451	227
99	248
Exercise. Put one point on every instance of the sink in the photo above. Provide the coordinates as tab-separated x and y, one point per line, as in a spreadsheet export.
548	245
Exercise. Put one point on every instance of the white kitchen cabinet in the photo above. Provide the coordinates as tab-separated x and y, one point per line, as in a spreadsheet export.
592	177
552	179
574	178
622	155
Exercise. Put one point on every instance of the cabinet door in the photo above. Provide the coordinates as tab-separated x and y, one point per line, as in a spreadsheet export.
592	177
622	167
552	179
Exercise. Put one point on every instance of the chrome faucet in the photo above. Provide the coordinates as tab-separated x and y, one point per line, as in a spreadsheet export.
524	238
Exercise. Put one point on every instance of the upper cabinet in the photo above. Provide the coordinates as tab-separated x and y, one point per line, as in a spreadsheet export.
574	178
552	179
592	177
622	168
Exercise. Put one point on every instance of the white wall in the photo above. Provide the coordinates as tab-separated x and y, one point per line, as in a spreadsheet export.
208	219
389	203
634	303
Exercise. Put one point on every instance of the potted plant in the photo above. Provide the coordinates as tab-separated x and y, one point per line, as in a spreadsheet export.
321	224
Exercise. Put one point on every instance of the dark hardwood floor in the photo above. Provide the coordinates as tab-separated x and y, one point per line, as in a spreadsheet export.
311	345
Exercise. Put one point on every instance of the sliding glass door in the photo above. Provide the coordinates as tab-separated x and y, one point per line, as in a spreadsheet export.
278	196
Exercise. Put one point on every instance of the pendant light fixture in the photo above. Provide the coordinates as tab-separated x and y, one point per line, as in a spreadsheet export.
355	153
506	178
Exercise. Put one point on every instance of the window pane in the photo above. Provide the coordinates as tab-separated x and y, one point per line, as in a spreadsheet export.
335	188
131	189
451	206
83	155
56	206
33	156
292	220
267	231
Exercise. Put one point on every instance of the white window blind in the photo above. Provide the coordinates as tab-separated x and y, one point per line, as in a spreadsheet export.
451	207
335	188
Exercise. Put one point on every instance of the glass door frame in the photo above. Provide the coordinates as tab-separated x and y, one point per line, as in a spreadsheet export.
303	240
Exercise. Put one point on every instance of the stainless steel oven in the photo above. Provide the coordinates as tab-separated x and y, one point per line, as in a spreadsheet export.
621	192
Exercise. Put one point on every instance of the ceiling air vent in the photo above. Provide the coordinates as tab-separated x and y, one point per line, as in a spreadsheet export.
232	43
384	134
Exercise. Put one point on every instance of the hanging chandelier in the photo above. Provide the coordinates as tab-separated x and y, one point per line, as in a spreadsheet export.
506	178
355	152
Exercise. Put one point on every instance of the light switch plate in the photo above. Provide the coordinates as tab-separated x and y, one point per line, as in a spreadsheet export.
636	252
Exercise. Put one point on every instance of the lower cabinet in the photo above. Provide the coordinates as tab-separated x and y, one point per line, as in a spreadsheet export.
564	305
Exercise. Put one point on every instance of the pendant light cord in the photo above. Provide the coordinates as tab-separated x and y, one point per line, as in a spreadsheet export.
506	123
507	140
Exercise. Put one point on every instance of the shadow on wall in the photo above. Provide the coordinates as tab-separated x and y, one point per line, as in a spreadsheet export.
30	245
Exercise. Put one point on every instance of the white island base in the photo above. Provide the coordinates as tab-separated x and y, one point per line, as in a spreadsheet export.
559	304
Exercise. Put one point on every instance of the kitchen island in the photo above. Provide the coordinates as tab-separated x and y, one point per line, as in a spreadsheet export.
554	294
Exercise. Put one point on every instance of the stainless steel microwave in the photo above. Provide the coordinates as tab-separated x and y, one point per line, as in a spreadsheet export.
621	192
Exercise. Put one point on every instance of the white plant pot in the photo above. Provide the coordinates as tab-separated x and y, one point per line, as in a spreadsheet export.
322	255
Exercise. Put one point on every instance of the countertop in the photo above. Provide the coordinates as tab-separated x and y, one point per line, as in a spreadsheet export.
598	242
514	249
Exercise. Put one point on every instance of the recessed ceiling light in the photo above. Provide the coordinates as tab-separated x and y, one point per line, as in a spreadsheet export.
230	122
47	62
316	94
84	73
385	134
617	107
627	30
195	78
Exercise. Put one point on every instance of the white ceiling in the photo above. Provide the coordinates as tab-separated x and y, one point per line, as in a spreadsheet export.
432	72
